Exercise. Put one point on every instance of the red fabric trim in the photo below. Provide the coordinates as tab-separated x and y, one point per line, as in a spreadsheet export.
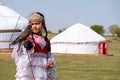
75	42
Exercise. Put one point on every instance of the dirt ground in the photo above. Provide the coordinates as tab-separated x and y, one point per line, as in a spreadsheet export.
6	50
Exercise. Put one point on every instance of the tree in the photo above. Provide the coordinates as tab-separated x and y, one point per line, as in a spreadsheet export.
98	28
112	29
117	31
61	30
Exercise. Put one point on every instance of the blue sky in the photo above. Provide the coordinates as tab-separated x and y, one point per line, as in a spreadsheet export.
61	14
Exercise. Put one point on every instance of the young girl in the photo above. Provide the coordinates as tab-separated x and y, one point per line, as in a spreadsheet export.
31	52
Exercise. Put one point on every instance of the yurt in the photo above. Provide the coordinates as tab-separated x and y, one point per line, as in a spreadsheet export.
77	39
11	23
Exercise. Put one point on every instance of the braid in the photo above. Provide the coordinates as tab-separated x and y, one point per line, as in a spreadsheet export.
44	25
45	29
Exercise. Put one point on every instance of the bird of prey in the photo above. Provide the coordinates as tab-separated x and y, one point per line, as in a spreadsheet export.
23	35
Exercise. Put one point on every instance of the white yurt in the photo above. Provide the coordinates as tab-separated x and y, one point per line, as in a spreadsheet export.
11	23
77	39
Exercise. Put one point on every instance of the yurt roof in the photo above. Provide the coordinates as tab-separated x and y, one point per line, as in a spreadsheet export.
78	33
9	19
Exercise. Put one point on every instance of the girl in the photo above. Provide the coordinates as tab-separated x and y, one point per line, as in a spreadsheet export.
31	52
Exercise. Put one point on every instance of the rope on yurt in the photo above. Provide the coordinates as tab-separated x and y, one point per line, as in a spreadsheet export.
14	28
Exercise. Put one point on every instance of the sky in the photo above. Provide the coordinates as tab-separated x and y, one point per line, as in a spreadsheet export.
60	14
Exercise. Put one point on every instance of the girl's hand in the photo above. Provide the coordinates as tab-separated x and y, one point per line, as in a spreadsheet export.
50	64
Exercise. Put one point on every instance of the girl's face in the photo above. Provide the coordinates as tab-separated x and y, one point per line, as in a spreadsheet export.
36	26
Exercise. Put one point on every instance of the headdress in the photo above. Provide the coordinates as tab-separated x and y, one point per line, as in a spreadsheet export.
35	17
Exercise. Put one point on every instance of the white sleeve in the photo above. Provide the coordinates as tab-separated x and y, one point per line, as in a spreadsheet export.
21	56
22	51
52	71
51	57
15	52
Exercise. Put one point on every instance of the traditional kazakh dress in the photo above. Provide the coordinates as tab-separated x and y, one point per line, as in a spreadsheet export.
32	64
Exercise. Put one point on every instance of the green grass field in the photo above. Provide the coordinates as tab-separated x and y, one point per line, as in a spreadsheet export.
76	67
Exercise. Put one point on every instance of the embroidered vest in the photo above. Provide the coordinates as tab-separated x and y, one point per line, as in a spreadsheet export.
40	44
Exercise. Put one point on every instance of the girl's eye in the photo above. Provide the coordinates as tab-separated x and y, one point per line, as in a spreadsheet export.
35	23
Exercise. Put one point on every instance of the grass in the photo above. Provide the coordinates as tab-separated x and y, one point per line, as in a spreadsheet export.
7	67
88	67
77	67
